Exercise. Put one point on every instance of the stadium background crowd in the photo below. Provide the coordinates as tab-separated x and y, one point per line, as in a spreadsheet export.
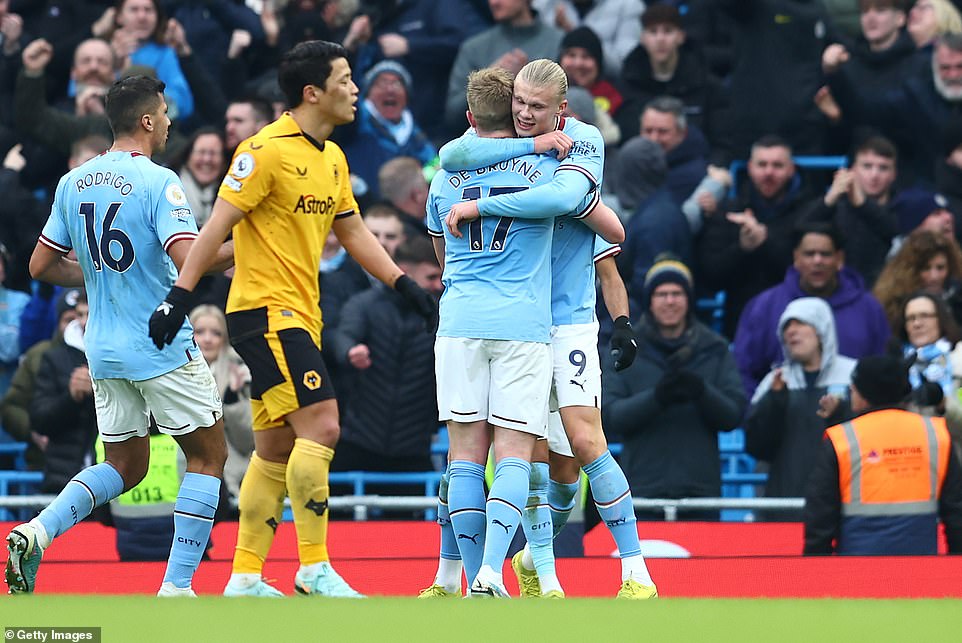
679	89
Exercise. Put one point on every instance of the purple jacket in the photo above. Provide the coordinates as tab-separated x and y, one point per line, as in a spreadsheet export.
859	319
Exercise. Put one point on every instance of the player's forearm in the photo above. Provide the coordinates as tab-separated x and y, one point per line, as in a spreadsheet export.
62	272
561	196
613	289
470	151
365	249
224	258
605	223
204	253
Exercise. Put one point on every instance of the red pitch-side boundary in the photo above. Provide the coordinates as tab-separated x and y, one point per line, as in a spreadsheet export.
399	558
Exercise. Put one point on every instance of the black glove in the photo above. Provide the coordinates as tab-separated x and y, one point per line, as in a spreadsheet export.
167	320
666	389
623	345
690	385
420	300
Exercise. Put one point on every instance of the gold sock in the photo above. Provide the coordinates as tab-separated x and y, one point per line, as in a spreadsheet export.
261	503
307	484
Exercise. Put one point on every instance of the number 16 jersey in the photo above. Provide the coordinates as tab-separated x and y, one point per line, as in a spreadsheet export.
120	212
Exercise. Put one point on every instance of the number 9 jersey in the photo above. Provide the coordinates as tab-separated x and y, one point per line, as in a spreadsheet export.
120	212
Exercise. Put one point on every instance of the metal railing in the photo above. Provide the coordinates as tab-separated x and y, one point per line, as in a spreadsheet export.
361	504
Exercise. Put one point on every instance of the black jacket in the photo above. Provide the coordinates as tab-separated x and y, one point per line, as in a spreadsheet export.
777	70
70	425
672	451
394	407
823	504
868	232
706	100
724	265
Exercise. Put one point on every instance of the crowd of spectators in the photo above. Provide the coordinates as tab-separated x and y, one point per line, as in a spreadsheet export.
819	267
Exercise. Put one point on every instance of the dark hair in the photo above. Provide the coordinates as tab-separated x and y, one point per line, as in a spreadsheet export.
307	63
878	145
417	249
773	140
661	14
381	210
948	327
129	99
159	29
865	5
828	229
262	108
179	161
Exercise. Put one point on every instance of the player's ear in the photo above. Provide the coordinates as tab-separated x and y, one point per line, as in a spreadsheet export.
147	122
471	120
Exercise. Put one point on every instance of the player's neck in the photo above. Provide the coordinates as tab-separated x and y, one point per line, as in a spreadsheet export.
132	144
317	127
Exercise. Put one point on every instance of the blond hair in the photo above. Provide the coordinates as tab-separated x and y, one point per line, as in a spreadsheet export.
545	73
947	17
489	96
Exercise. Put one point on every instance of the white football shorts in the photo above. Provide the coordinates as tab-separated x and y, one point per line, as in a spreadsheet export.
577	368
502	381
181	401
557	437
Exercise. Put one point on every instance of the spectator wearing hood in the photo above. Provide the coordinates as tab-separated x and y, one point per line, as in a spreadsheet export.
657	224
880	484
682	389
805	393
663	66
384	127
818	270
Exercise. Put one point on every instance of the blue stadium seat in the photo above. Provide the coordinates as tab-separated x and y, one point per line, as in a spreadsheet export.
17	483
806	162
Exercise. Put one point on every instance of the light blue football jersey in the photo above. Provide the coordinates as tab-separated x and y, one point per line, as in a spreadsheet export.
120	212
586	160
497	277
575	247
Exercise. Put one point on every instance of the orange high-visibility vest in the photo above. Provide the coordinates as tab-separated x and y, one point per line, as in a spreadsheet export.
891	463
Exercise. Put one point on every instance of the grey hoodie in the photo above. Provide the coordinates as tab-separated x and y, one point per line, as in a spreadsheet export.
836	369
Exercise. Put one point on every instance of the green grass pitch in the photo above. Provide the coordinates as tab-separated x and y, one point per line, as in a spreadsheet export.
144	619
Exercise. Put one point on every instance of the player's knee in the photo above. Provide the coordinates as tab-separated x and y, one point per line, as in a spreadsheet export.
588	446
132	471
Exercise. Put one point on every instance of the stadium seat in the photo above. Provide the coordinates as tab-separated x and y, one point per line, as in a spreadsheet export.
805	162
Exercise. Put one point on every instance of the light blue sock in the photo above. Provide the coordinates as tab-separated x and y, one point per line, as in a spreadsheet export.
537	522
193	518
561	500
613	499
466	505
508	494
88	489
449	542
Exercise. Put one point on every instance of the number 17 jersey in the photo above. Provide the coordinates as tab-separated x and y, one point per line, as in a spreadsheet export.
120	212
497	277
